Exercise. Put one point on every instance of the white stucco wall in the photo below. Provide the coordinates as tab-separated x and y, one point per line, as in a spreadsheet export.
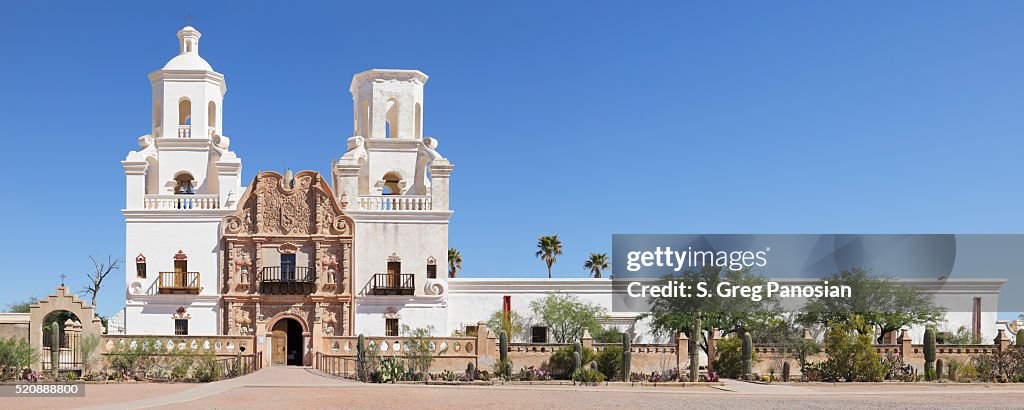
412	236
159	235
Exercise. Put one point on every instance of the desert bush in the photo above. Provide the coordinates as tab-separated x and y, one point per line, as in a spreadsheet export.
587	375
561	362
730	358
609	362
1005	366
851	356
206	368
88	345
503	369
16	355
389	370
417	350
135	360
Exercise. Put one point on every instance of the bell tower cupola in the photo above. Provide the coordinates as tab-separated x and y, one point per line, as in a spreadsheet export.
187	93
388	103
186	153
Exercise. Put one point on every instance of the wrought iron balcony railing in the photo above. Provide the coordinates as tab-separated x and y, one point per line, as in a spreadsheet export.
393	284
179	282
287	280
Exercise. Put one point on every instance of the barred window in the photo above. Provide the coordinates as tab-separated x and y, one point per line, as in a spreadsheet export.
391	326
181	327
539	334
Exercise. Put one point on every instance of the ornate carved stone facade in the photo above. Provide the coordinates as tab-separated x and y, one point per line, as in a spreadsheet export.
287	252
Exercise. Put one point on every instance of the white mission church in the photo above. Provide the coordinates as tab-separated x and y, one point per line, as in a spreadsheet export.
292	258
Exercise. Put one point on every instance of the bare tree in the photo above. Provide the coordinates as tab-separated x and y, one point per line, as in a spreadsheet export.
100	271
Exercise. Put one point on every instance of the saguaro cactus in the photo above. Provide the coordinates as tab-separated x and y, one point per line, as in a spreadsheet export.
503	346
748	354
577	361
695	339
785	372
361	358
627	357
929	354
54	347
1020	338
938	370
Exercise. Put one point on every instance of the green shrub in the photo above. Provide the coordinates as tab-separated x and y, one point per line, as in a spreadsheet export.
851	356
730	358
16	355
390	370
561	362
609	334
135	361
181	364
206	369
609	362
417	350
503	369
587	375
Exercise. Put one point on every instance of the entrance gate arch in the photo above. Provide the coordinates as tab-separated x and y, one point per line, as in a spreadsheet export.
61	300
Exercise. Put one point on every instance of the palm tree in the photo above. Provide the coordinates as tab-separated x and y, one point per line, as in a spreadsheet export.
549	247
596	263
454	262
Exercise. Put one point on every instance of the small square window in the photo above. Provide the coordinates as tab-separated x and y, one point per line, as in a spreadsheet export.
539	334
391	326
431	271
181	327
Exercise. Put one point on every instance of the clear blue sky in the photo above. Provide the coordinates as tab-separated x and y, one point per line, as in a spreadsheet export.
578	119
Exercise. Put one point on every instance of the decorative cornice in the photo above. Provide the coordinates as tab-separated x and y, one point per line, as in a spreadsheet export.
190	76
417	217
383	75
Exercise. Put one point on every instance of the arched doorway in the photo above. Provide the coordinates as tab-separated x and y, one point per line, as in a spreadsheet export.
286	343
59	307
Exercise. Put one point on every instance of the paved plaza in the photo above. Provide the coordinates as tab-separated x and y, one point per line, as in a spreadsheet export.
296	387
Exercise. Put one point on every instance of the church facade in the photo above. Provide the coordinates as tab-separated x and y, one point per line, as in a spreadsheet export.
290	258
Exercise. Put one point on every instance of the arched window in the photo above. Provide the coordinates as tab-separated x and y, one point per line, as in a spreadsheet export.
364	120
183	184
211	115
157	115
392	184
391	118
419	121
184	112
431	268
152	176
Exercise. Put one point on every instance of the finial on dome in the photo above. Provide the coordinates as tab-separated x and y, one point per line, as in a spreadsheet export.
188	38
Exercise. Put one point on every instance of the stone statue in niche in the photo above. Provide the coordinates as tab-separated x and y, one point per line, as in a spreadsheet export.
329	320
244	264
242	321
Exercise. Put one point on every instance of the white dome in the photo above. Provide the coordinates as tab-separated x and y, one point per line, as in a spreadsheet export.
188	61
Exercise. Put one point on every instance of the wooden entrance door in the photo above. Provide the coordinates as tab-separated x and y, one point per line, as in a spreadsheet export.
394	270
279	347
180	267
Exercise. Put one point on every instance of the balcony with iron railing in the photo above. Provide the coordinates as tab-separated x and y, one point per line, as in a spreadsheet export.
393	284
179	283
394	203
182	202
287	280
